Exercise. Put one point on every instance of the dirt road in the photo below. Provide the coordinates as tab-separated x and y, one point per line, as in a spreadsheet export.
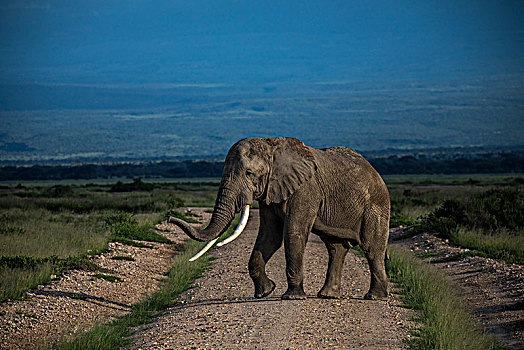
220	311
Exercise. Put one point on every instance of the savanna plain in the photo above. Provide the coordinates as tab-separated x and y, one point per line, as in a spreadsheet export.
447	233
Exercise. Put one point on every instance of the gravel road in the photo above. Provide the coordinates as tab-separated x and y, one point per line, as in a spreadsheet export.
219	311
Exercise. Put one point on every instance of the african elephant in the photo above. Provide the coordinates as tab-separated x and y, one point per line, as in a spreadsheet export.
333	192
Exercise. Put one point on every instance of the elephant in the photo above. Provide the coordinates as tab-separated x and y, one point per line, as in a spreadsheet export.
332	192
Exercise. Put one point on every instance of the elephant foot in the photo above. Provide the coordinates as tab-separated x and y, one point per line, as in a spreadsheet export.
264	290
373	295
295	294
329	293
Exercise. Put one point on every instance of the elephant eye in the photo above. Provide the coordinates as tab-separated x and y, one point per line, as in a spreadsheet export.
249	173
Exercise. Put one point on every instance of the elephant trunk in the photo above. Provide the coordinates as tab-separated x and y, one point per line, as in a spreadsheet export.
226	205
223	214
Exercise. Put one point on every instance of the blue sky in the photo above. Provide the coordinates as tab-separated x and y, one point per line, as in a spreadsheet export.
229	41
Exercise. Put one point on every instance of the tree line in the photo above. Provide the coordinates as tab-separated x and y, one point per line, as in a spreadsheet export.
495	162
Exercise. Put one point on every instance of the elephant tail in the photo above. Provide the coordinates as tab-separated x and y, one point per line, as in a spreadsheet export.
386	259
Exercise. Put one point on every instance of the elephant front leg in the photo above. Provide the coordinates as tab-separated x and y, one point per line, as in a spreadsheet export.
337	250
295	244
257	270
269	240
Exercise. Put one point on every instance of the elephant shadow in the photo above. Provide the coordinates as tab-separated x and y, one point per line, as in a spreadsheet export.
182	305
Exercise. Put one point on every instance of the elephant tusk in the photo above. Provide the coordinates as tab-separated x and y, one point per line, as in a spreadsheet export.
239	229
203	250
236	233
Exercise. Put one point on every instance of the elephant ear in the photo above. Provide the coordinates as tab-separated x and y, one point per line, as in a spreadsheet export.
293	165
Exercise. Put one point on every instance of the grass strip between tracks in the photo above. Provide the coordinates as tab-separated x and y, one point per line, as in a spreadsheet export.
115	334
447	324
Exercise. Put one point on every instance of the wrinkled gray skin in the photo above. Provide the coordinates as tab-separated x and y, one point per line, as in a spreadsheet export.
334	193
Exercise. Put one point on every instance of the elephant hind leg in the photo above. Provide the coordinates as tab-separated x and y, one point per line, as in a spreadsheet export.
374	237
337	250
378	288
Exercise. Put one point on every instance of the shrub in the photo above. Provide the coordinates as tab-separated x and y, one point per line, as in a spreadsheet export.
491	210
123	225
136	185
175	202
60	191
491	223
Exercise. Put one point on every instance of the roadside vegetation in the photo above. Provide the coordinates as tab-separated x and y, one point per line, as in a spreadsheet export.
446	322
48	228
483	214
115	334
480	213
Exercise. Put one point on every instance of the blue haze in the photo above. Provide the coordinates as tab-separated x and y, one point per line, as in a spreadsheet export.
141	56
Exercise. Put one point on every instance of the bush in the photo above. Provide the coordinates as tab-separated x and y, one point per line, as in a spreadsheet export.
175	202
60	191
491	210
124	225
491	223
136	185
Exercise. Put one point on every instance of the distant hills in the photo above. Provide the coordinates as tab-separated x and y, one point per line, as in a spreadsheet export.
96	124
135	81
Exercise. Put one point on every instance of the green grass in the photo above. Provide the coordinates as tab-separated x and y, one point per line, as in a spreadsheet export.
446	322
180	215
21	273
500	244
481	213
39	233
16	281
115	334
70	221
89	198
126	229
490	223
424	255
137	232
414	196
